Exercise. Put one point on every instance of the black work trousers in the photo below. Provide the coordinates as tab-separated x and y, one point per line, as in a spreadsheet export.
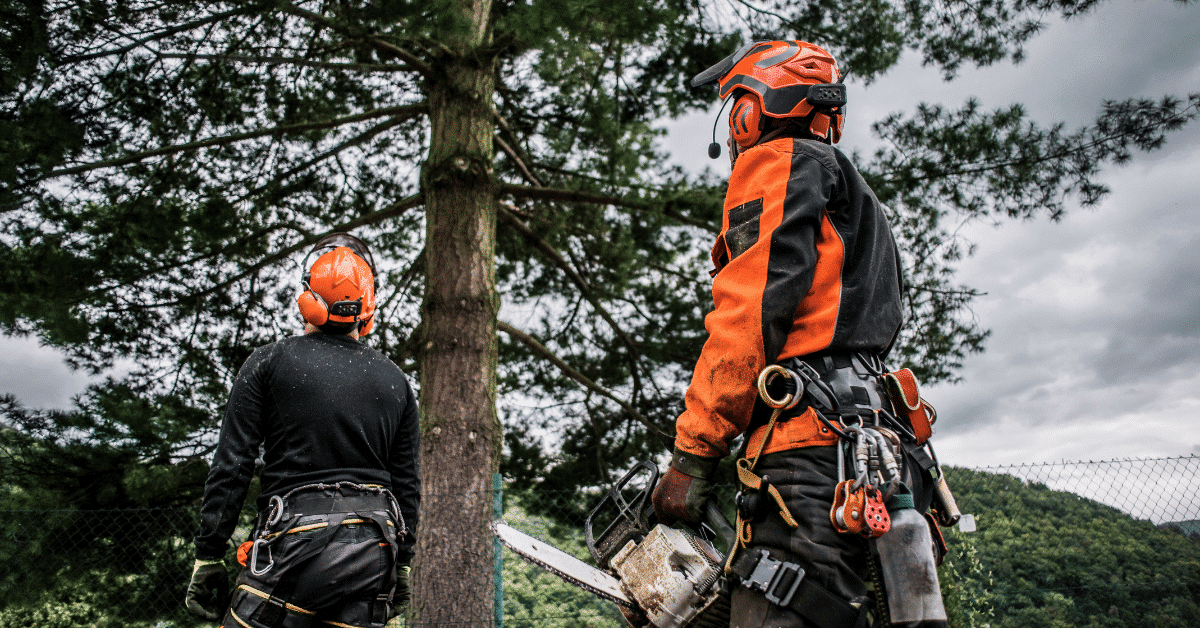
806	479
347	583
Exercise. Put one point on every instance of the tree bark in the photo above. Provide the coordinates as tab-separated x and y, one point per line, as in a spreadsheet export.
460	430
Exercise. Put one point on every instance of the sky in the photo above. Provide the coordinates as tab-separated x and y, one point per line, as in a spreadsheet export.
1095	346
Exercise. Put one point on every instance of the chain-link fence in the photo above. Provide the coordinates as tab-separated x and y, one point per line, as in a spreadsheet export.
1109	543
1161	490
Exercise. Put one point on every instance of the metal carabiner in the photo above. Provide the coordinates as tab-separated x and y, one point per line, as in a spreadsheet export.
862	456
887	467
891	463
841	454
253	562
275	506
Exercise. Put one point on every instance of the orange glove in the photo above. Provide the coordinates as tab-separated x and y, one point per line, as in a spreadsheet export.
683	491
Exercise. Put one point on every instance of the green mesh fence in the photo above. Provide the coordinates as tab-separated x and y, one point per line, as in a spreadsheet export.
1108	543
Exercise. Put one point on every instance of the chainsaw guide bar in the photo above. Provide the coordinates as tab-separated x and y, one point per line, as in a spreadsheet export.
565	566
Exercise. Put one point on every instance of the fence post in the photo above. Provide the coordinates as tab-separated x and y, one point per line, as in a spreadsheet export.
497	549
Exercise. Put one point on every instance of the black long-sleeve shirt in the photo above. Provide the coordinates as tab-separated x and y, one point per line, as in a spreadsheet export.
325	408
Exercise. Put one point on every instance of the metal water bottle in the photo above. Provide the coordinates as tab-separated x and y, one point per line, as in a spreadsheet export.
909	573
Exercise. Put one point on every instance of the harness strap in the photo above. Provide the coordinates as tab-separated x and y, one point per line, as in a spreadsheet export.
751	480
274	610
754	482
384	599
267	596
783	584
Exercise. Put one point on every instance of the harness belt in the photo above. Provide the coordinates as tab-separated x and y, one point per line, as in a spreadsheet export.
363	504
855	379
326	499
784	584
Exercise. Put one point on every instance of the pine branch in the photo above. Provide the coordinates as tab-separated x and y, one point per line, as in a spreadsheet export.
237	244
350	143
154	37
541	351
1186	115
966	293
512	154
274	60
575	196
379	44
391	211
511	219
403	110
761	11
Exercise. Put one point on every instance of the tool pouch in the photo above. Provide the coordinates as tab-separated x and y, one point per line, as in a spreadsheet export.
907	401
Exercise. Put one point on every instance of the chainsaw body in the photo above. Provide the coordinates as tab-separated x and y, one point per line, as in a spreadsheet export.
674	576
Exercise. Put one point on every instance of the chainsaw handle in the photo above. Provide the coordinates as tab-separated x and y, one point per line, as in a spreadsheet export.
632	516
718	524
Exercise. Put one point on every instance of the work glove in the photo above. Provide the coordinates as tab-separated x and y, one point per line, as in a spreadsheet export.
683	491
403	594
208	592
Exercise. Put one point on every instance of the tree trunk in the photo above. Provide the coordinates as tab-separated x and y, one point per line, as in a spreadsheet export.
460	430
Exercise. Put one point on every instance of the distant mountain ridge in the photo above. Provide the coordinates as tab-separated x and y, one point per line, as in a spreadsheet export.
1045	558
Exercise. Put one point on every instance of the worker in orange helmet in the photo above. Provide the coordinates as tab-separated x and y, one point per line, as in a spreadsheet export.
807	276
337	426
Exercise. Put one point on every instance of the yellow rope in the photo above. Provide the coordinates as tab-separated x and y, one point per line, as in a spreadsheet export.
323	524
746	475
266	596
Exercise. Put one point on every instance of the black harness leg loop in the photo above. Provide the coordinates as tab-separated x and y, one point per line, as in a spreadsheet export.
783	584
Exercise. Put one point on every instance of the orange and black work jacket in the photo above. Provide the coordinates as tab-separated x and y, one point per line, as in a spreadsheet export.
805	263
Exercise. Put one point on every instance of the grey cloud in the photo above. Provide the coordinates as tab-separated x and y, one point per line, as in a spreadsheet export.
37	375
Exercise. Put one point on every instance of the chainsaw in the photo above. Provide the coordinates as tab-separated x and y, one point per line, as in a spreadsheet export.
657	575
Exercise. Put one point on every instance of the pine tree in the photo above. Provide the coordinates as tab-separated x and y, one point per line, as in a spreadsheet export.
165	165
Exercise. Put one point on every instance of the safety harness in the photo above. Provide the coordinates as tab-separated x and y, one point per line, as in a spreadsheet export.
864	426
324	508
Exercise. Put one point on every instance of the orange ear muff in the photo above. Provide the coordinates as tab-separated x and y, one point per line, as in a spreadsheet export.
313	308
745	121
366	326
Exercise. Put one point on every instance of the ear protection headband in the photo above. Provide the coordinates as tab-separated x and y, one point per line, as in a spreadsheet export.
313	307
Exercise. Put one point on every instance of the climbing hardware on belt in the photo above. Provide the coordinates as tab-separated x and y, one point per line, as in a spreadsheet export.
859	504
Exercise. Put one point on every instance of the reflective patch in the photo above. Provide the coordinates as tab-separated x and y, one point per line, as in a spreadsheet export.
743	227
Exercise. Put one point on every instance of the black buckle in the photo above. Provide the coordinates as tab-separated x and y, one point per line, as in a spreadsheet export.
380	610
346	308
271	612
771	578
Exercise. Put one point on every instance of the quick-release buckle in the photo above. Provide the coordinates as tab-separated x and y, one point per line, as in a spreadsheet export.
771	578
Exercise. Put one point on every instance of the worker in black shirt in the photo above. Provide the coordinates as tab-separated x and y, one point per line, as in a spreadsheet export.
338	429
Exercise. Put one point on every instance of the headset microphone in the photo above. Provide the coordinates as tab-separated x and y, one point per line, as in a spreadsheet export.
714	149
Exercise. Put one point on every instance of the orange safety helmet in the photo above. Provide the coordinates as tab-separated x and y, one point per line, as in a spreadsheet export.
339	287
780	80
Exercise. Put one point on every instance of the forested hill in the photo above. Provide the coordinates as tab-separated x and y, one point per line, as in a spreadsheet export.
1055	559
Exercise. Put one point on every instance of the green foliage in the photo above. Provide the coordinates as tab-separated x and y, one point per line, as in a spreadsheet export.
117	449
533	596
98	568
1052	558
164	166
